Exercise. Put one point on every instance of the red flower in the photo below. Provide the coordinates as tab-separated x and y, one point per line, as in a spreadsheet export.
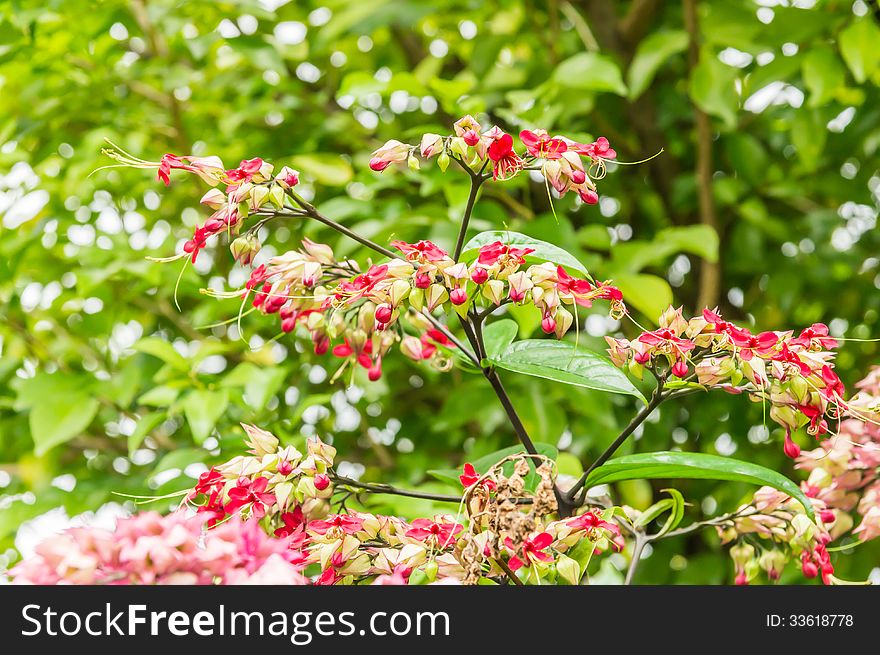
834	388
490	254
750	345
590	521
292	521
422	251
253	493
431	339
425	529
720	325
362	284
818	425
506	162
532	551
245	171
540	145
599	149
343	523
815	337
363	358
470	477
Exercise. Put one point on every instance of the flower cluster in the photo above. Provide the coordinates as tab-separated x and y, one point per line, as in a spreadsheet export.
149	548
844	479
265	517
270	480
793	374
361	312
566	164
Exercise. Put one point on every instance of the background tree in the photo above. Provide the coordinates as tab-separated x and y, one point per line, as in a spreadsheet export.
763	202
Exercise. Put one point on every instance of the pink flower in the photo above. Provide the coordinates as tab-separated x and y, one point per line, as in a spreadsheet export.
598	150
292	521
790	448
245	171
532	551
590	521
815	337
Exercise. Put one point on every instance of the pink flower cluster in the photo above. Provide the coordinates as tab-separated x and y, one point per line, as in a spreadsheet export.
566	164
149	548
843	486
793	374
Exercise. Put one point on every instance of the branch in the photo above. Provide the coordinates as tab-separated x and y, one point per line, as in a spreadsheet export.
312	212
656	398
378	488
710	273
477	180
510	574
638	547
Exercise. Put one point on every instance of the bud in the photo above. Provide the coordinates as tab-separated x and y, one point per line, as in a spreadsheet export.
259	197
680	369
366	322
322	481
261	442
245	248
417	299
320	252
493	290
384	313
411	347
321	451
391	152
436	296
568	569
548	324
479	275
430	570
742	553
400	289
214	199
804	528
283	492
443	161
459	147
790	448
287	178
458	296
773	562
413	162
431	145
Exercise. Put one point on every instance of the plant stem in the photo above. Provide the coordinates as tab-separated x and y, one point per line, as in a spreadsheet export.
510	574
636	421
378	488
638	547
476	182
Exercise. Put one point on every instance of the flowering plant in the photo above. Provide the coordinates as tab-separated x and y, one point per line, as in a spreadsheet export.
278	513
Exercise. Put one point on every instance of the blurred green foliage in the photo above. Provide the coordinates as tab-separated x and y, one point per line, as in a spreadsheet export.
103	379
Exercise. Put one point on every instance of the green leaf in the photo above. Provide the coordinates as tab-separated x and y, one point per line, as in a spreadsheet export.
145	425
202	410
712	88
163	350
58	419
650	294
566	362
544	252
677	513
859	47
589	71
327	168
260	382
162	396
823	75
693	466
498	335
634	256
651	54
